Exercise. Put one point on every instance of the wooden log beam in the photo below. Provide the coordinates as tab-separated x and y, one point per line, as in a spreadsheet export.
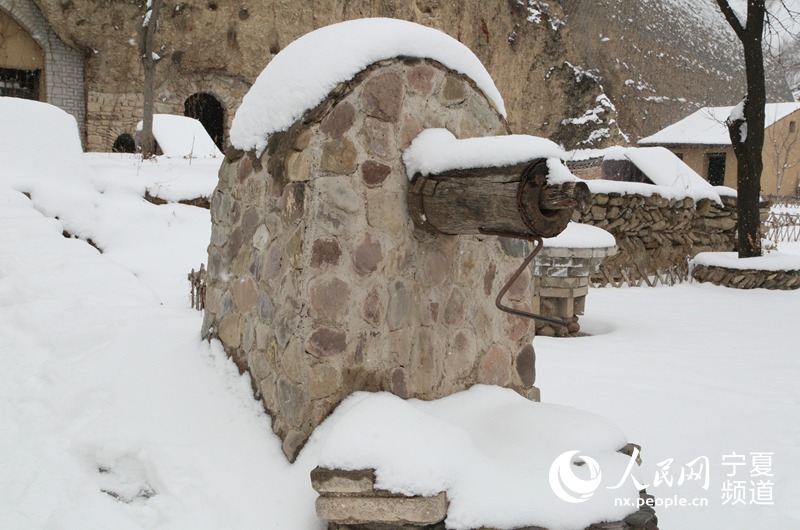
513	201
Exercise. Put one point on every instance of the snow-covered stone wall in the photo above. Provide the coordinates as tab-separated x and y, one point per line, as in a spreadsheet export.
656	234
319	283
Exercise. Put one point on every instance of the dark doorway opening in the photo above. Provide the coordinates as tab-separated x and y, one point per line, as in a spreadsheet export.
124	144
19	83
207	110
716	169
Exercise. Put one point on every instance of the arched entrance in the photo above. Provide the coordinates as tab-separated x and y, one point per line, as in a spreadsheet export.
21	61
207	110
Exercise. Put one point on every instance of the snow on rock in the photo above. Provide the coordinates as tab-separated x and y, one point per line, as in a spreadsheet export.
489	448
435	151
303	74
769	261
181	136
579	235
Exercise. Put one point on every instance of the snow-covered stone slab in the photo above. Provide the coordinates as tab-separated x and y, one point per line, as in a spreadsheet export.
490	450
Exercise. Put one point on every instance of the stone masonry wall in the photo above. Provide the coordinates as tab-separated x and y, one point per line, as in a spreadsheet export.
112	114
63	66
654	233
781	280
319	283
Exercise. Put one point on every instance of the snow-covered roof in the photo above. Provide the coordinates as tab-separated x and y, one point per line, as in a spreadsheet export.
707	126
181	136
672	177
303	74
437	150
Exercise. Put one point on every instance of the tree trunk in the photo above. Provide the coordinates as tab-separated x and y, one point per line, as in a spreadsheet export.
747	131
149	59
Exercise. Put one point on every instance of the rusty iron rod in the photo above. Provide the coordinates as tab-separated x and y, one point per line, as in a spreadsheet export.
538	244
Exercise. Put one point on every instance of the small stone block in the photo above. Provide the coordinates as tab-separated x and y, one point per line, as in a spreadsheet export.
604	252
564	283
558	272
556	292
386	510
337	481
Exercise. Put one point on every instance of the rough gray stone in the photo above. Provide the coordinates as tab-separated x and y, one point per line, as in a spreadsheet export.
325	251
338	156
374	173
325	342
399	309
382	97
339	120
367	256
386	510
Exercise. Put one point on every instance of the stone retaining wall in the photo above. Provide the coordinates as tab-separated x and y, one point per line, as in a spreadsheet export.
654	233
747	278
349	500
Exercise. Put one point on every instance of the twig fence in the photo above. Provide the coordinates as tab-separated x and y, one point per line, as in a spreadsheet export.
198	281
782	226
631	274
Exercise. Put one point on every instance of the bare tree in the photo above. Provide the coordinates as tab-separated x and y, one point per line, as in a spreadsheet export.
746	124
149	60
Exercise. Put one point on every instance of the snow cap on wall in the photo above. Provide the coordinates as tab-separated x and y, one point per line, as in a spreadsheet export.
304	73
438	150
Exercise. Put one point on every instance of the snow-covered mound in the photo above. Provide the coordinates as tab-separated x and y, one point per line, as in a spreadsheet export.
303	74
181	136
36	138
579	235
489	448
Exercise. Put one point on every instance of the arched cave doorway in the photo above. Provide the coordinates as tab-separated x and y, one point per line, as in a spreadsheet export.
207	110
124	143
21	61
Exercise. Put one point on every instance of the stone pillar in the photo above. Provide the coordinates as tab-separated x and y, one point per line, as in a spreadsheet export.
319	282
561	283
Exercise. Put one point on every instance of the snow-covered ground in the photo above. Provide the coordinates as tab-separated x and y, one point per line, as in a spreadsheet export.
115	414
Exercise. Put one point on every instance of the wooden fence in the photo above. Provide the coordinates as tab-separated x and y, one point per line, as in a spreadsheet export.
782	226
198	281
631	274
